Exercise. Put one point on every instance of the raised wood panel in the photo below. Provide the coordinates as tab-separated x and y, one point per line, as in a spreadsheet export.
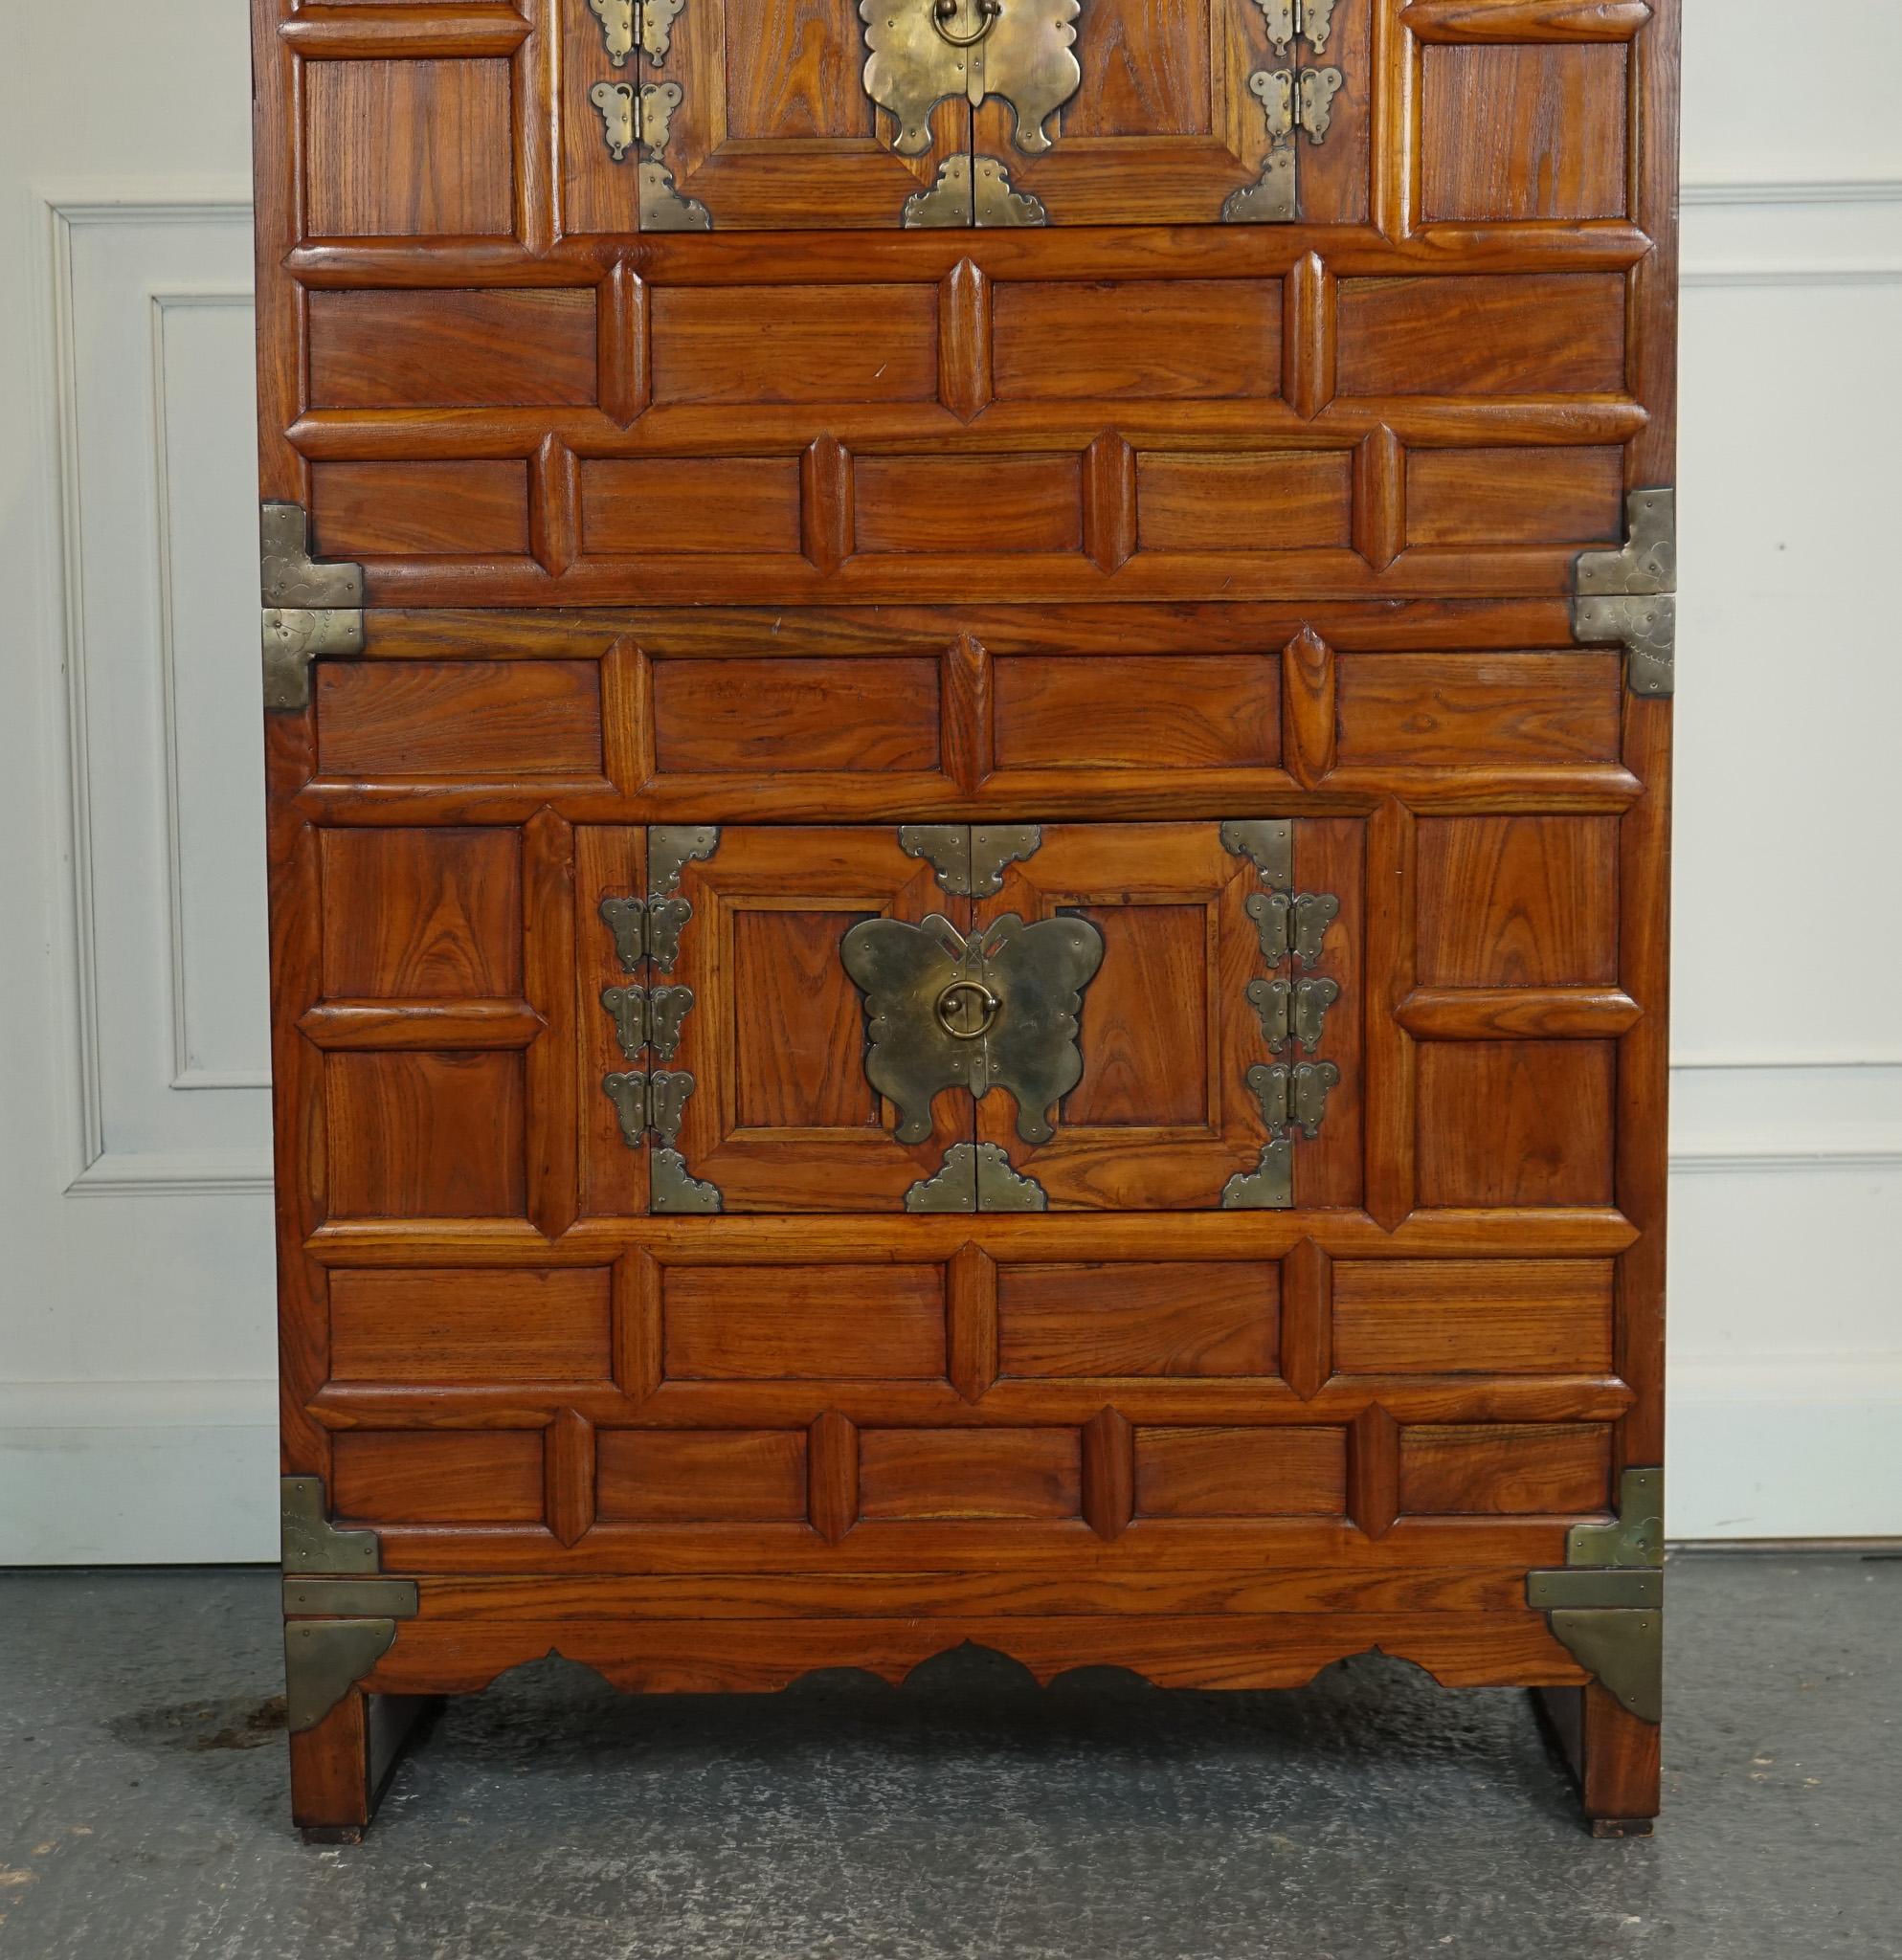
917	1474
1145	1024
1516	1123
794	72
426	1135
466	1477
700	1476
420	510
755	717
407	148
1472	1316
385	350
1504	1469
817	1322
969	503
1467	710
1505	333
1524	131
1517	900
1137	339
1185	1317
458	719
421	914
1281	501
470	1326
723	505
1515	496
799	1029
1274	1472
794	344
1130	711
1144	77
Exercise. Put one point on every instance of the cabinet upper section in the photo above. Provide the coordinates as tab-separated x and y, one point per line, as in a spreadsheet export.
579	301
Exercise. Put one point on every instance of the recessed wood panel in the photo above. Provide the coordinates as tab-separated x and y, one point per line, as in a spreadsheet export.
701	1476
794	344
1516	1123
969	503
1142	339
1464	710
458	717
420	510
481	1326
1515	496
421	914
796	717
856	1322
440	1477
1134	711
725	506
969	1472
1505	1469
1533	131
382	349
1178	1317
799	1029
1517	901
1261	1472
792	73
1145	1025
1522	333
407	148
1283	501
425	1135
1472	1316
1149	75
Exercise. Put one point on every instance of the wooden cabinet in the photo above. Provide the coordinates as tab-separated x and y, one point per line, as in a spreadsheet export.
969	732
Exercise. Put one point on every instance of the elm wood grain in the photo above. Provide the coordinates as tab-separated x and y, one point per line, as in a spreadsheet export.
910	1475
624	343
421	1024
458	719
1448	710
1271	502
1108	1473
1187	1319
1390	1097
421	914
453	349
1531	1014
965	385
567	1475
946	504
832	1475
1517	901
347	31
1146	338
550	961
1207	1472
420	510
1137	711
1502	1468
1306	1319
447	1326
817	1322
744	718
748	344
1374	1470
1515	496
1613	1754
827	514
1308	709
639	1337
1472	1316
711	506
798	1049
1516	1123
1487	21
398	1134
972	1334
437	1477
700	1476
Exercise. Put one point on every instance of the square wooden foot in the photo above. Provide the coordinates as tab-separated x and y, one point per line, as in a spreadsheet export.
1613	1753
340	1768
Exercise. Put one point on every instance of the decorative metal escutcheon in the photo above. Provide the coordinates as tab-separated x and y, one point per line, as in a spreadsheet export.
998	1010
921	51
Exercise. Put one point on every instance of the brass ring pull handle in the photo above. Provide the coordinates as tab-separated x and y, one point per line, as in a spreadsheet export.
945	12
966	1009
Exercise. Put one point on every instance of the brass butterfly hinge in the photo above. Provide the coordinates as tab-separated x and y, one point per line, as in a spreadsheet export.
339	1611
312	610
1630	595
1605	1604
1294	100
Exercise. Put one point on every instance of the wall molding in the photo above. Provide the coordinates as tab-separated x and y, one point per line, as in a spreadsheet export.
1791	232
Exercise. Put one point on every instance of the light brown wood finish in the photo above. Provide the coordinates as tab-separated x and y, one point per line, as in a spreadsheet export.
809	527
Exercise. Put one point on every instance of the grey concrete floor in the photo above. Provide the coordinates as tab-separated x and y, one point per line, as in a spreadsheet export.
143	1809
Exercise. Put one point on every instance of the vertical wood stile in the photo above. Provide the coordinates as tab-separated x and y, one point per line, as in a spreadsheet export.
964	341
568	1474
1651	293
1108	1473
609	859
627	733
825	503
281	315
554	506
1390	1060
1308	335
832	1475
971	1331
968	734
1379	497
1308	708
549	965
1307	1338
623	361
1374	1470
1396	126
535	93
1110	501
638	1329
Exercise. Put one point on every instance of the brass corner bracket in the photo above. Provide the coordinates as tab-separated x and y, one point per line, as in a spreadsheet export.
312	610
970	858
977	1177
1605	1604
1630	595
339	1612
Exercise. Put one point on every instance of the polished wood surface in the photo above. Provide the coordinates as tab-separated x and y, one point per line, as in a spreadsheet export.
807	526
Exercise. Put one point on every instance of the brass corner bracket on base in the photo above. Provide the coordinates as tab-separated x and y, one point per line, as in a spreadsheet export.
339	1612
1629	596
312	610
1605	1605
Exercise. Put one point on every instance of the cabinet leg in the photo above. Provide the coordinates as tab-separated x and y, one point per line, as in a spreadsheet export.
1613	1753
338	1769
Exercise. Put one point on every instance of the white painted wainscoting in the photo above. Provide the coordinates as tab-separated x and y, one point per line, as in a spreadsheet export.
136	1344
